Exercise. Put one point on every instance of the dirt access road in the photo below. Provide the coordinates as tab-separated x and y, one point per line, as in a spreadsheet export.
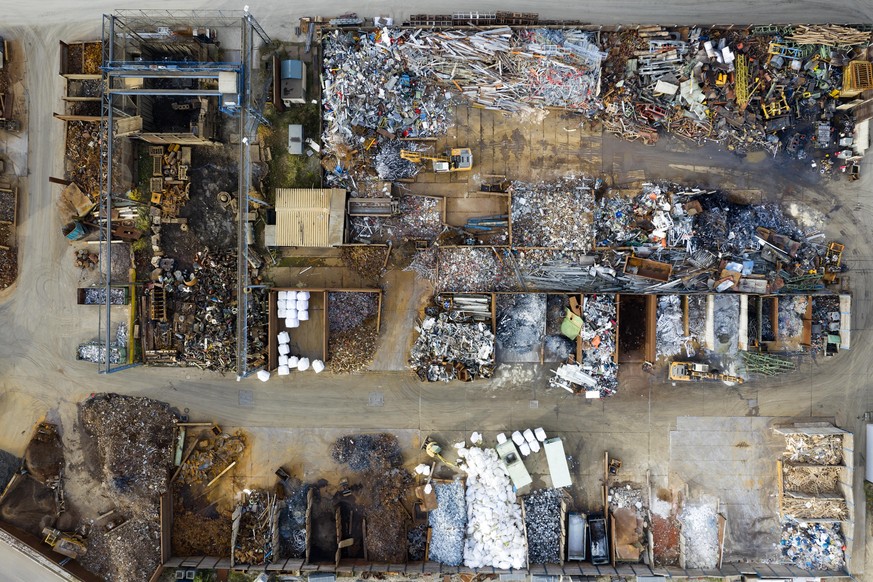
41	323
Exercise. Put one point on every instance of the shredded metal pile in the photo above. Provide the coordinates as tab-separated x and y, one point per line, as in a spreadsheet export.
813	546
347	311
135	438
363	452
792	310
292	520
448	348
352	351
470	269
553	214
448	523
416	542
598	333
542	520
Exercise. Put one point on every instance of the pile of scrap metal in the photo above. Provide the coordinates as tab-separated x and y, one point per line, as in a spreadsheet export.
452	346
254	523
189	316
778	89
169	187
594	324
670	238
385	84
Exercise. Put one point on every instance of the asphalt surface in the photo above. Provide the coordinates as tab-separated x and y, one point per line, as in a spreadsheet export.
42	324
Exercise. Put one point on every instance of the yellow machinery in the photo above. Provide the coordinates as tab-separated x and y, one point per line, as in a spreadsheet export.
434	451
66	544
775	108
742	80
457	160
833	258
696	372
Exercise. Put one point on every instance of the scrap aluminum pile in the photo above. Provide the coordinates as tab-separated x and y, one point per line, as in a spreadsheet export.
418	217
495	531
671	334
542	520
813	546
97	296
598	335
745	89
471	269
96	352
450	347
368	81
553	214
513	70
448	523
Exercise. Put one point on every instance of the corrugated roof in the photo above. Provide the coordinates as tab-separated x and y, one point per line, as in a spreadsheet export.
303	217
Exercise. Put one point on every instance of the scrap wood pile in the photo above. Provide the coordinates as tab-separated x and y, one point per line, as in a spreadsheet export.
451	347
378	460
211	456
815	508
814	449
134	438
553	214
813	546
254	520
811	479
542	521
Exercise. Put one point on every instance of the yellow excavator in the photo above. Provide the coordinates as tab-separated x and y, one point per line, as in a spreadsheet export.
67	544
696	372
456	160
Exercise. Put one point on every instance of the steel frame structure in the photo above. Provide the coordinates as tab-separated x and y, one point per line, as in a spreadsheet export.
119	37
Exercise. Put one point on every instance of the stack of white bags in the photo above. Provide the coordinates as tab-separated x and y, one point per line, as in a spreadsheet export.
293	307
495	535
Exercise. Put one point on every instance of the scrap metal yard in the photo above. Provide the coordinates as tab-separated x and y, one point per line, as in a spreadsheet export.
435	294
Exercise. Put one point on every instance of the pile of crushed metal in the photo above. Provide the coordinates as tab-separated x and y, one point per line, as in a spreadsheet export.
134	438
665	237
352	324
452	346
